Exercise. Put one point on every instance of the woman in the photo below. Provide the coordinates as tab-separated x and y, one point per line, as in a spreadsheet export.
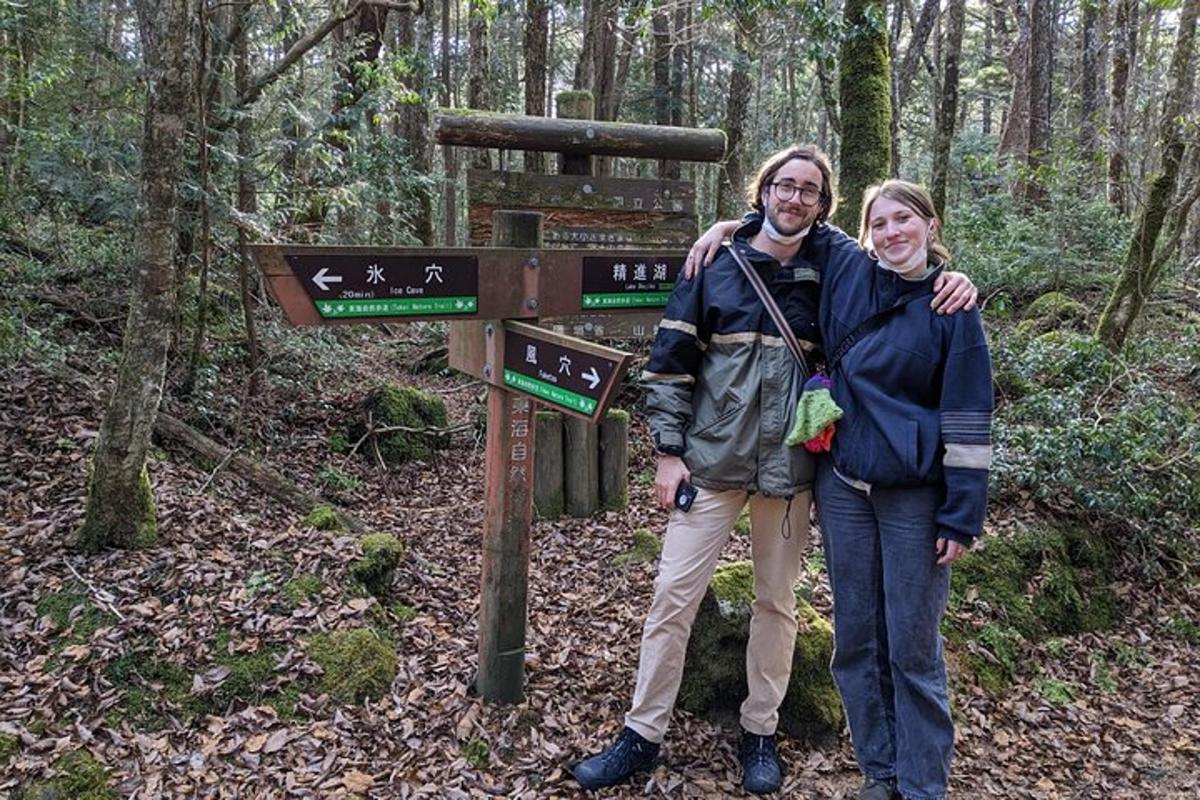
902	494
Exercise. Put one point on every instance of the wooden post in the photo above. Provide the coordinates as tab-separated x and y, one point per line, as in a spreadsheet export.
508	508
614	460
575	105
581	460
548	468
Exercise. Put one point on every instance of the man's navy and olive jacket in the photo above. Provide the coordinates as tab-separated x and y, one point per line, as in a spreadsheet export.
721	385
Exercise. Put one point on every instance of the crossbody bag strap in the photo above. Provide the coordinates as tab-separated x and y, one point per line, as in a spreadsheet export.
785	330
868	326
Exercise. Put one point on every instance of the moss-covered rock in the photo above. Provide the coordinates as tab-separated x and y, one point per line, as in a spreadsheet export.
1052	311
410	414
381	553
714	677
323	518
646	547
79	777
1036	584
358	664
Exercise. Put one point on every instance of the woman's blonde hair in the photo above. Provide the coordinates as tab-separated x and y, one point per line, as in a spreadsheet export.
914	197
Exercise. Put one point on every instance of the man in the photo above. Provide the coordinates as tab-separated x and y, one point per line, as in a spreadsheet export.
721	391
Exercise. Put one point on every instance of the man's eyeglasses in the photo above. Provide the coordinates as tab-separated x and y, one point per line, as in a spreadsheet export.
785	191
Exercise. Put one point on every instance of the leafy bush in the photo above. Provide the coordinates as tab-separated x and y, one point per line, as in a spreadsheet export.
1097	437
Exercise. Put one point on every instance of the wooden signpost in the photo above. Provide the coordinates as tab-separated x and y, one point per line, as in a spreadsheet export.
492	294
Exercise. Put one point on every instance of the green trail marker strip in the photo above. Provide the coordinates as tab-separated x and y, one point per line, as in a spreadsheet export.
549	392
397	307
630	300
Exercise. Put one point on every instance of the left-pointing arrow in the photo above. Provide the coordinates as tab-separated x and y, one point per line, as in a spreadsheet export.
322	279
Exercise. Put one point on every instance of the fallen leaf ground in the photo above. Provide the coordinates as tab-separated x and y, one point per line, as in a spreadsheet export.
1107	717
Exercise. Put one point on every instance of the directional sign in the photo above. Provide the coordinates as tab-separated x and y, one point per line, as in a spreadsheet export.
359	285
570	374
628	281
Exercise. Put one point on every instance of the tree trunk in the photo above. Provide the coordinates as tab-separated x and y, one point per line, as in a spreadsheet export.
1124	54
537	22
1041	48
1089	83
1140	271
479	95
944	135
1014	140
733	181
247	204
866	107
661	59
412	116
203	208
907	72
985	110
449	154
120	503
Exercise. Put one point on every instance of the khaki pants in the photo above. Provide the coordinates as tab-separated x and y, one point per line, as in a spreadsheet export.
693	544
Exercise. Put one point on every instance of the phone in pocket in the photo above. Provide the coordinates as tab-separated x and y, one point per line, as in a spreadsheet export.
685	495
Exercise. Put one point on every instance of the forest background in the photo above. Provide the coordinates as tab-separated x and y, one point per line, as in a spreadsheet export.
184	487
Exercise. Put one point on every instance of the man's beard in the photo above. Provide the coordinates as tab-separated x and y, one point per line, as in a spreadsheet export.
773	216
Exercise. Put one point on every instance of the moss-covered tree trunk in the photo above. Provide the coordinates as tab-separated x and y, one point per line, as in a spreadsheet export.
1124	55
1031	188
1141	270
866	105
537	30
120	504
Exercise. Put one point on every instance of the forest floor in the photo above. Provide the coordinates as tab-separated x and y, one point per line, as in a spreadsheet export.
1107	716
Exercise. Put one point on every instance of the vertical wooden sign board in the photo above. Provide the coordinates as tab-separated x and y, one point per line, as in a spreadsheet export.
508	504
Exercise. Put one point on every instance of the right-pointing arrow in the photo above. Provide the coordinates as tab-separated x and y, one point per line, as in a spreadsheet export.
322	279
592	377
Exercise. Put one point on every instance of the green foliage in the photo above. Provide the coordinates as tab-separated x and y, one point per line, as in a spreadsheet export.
1021	253
1097	435
148	680
336	480
1184	629
259	583
1054	691
646	547
323	518
476	752
409	413
358	664
381	553
79	777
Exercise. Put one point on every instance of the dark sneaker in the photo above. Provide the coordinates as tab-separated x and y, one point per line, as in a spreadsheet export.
873	789
628	755
760	766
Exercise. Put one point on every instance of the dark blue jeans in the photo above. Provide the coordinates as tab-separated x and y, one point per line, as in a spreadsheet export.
888	598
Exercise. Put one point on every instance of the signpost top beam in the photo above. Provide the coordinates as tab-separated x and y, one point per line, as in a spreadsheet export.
466	128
